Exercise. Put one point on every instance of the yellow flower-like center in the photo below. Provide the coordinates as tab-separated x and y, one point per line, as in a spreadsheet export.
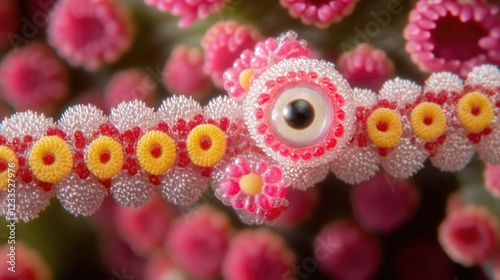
475	111
7	157
206	145
156	152
50	159
104	157
428	121
245	78
251	184
384	127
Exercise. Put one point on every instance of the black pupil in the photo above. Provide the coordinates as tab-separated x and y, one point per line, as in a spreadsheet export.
298	114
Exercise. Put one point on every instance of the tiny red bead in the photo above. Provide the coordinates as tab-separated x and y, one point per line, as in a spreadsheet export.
280	79
137	132
312	75
3	165
224	123
181	145
269	139
428	120
475	110
106	183
27	139
341	115
384	103
362	141
206	171
191	125
48	158
275	146
291	74
263	98
319	151
78	155
382	126
294	155
205	143
474	137
183	155
330	144
339	131
285	152
45	186
105	157
15	141
497	104
162	126
154	179
270	84
430	146
340	99
382	152
441	139
306	156
129	149
487	131
211	121
262	128
21	161
198	119
156	151
3	141
259	114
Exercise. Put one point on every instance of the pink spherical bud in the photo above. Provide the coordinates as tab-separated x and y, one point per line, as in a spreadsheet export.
258	255
344	251
223	43
160	267
383	203
129	85
469	235
320	13
199	241
33	78
144	229
22	263
302	205
90	32
366	67
453	35
183	73
9	21
189	10
492	179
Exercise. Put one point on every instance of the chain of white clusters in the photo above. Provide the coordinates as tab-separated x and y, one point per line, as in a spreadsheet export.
243	148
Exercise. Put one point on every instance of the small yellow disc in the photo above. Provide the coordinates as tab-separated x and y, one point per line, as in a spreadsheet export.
104	157
384	127
9	160
50	159
251	184
428	121
245	78
156	152
201	154
475	111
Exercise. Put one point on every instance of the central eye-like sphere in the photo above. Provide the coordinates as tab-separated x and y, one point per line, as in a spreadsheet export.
299	114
